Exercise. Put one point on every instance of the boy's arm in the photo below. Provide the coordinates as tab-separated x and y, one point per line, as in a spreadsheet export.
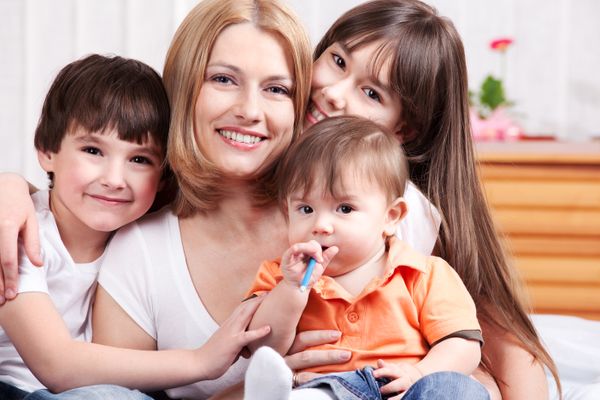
61	363
283	305
452	354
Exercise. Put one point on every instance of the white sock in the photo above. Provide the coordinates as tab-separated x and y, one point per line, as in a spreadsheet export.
268	377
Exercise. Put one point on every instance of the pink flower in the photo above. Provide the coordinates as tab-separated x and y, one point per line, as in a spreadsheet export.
501	44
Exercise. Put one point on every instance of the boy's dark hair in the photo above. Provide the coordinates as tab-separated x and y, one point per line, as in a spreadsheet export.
99	93
329	148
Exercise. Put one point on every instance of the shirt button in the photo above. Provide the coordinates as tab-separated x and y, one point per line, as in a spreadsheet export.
352	316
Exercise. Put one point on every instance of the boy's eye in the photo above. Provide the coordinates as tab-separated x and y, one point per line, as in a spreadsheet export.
141	160
305	209
339	61
372	94
345	209
92	150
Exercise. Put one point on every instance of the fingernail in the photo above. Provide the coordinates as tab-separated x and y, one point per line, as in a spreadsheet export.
10	294
336	335
345	355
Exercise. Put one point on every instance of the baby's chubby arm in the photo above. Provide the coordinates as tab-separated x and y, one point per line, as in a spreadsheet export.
283	305
17	218
452	354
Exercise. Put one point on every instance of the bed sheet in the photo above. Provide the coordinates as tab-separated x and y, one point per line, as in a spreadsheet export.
574	344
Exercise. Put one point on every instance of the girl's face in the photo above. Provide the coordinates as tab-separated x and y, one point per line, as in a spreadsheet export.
343	84
244	114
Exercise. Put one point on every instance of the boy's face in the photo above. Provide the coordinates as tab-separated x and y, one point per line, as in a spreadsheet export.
357	221
100	181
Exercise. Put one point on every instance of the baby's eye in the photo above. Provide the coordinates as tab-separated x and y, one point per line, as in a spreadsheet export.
141	160
345	209
372	94
92	150
339	61
305	209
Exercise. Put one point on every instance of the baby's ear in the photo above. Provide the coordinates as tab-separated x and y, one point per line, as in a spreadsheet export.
395	212
46	160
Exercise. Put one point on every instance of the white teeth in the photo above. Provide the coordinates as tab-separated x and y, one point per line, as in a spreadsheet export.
239	137
318	115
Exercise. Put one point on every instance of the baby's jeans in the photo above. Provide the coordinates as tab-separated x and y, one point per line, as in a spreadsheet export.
362	385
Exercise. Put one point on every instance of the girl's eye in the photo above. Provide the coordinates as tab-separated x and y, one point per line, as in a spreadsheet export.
92	150
372	94
305	209
278	90
141	160
339	61
345	209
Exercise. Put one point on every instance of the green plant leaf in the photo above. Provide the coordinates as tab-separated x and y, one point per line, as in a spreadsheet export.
492	93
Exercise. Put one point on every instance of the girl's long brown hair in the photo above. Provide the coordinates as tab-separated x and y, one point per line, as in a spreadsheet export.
428	71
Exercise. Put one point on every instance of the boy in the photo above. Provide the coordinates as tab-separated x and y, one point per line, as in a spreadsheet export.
102	138
407	314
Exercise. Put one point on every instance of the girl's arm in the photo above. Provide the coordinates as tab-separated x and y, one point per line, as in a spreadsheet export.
61	363
518	375
17	218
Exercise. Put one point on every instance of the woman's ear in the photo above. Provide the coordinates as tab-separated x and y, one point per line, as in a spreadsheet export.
395	212
46	160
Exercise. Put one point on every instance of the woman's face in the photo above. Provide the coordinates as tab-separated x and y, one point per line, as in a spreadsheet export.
343	84
244	114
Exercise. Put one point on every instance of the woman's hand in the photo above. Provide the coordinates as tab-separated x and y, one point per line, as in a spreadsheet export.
226	345
17	219
299	358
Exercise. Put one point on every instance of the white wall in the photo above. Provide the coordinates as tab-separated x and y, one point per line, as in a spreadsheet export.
552	75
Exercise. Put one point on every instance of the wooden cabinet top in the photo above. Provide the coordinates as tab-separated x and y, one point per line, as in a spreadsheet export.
539	152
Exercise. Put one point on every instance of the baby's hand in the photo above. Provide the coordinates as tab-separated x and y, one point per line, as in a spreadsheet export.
403	376
295	260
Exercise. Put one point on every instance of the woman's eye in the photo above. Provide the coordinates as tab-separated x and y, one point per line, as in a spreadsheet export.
278	90
372	94
305	209
345	209
141	160
92	150
339	61
222	79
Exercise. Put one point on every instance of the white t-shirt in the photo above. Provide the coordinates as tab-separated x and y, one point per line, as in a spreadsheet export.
421	225
145	272
69	285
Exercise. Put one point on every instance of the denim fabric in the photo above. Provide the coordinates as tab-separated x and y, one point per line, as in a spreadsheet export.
96	392
9	392
361	385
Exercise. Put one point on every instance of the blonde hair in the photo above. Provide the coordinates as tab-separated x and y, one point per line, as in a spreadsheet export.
200	186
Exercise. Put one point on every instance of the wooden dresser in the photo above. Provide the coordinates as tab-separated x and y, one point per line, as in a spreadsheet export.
545	197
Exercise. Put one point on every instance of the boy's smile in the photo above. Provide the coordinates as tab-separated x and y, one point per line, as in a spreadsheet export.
100	182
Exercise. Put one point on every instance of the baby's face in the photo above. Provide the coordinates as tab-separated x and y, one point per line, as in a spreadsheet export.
102	182
356	220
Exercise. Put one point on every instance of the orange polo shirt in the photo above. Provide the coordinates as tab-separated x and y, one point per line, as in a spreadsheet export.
418	301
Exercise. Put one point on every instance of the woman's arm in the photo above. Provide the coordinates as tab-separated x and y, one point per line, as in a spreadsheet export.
518	374
61	363
17	218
